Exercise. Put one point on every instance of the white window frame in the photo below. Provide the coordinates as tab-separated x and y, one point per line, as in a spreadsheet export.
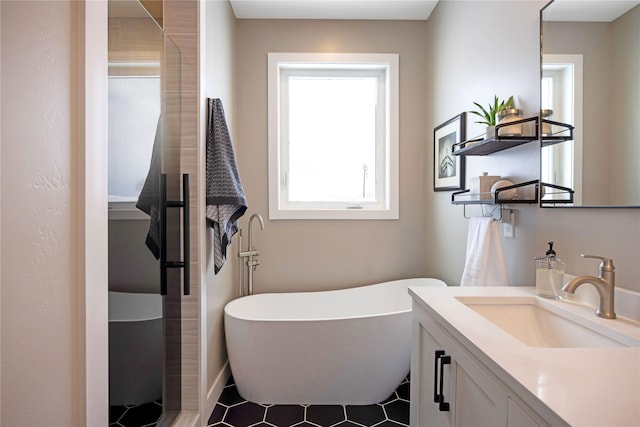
278	206
555	66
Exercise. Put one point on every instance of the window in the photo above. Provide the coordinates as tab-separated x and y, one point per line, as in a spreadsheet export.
562	93
134	111
333	136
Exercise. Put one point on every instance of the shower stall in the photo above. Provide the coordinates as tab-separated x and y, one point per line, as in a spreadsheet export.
145	248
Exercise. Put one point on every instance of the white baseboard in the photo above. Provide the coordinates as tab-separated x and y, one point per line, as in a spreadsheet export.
215	391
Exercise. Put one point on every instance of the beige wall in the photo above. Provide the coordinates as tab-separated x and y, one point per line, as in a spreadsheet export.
40	287
132	267
454	69
313	255
626	157
217	52
461	72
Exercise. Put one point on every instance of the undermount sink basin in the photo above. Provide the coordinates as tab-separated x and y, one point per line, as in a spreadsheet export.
538	325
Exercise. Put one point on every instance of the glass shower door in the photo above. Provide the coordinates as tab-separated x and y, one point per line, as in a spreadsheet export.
144	157
176	248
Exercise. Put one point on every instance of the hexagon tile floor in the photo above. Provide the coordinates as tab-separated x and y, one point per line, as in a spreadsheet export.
232	410
145	415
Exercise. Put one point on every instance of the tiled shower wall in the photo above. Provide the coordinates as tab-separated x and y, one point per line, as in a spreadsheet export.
180	20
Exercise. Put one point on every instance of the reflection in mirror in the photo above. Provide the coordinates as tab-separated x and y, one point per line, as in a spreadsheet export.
144	98
134	111
591	80
135	54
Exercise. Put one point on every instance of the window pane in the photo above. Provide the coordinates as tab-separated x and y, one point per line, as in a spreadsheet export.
332	139
547	93
134	110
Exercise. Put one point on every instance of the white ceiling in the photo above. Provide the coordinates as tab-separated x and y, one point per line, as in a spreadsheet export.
588	10
561	10
333	9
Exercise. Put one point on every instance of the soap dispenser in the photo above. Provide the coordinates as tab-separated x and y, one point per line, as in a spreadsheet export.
549	274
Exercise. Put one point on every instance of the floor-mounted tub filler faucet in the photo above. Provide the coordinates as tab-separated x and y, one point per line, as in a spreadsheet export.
604	284
261	221
250	253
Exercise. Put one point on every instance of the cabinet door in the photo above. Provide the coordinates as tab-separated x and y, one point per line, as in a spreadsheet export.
474	398
479	401
425	411
517	416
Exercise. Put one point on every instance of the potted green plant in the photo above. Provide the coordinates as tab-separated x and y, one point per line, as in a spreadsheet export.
490	115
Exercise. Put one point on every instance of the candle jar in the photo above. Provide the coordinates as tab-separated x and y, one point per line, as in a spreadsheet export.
546	127
509	115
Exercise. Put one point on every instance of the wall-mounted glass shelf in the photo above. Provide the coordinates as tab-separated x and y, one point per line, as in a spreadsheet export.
553	194
558	132
485	144
465	197
497	141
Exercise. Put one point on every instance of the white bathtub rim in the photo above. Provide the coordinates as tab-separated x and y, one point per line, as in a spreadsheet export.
317	320
231	311
127	307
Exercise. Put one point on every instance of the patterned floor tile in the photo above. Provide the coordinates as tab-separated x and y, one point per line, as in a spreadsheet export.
366	415
326	415
245	414
145	415
398	411
234	411
285	415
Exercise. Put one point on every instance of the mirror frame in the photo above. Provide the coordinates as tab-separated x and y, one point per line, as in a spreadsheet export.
550	204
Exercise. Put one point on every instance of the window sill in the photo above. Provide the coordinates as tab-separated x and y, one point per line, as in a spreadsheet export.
333	214
125	211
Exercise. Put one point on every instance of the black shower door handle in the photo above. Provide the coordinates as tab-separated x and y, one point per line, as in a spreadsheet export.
184	204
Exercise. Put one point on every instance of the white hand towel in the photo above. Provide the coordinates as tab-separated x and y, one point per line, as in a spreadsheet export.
485	264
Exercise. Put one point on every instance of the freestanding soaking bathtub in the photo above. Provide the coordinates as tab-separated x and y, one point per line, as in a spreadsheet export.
350	346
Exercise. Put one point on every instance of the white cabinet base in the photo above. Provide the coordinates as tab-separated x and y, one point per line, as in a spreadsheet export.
476	397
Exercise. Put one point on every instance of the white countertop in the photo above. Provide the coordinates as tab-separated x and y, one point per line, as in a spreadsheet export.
583	386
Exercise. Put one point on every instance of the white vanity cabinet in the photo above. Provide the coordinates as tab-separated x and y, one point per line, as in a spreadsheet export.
450	387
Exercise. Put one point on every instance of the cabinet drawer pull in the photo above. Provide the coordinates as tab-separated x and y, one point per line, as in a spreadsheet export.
442	405
436	365
438	379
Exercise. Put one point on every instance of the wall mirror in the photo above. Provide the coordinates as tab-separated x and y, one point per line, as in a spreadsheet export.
144	101
136	44
590	79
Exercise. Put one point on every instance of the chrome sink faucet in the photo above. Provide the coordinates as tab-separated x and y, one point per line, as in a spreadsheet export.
604	284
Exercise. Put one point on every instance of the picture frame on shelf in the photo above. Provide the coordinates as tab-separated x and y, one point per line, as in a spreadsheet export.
448	170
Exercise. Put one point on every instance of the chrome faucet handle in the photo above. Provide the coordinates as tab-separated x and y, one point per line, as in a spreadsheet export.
606	264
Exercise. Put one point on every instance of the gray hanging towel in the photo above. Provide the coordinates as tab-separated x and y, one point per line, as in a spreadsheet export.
149	198
226	201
